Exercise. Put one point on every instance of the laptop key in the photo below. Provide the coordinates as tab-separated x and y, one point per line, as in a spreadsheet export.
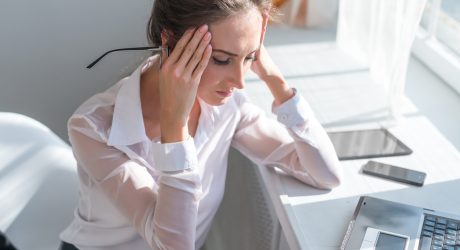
440	226
449	242
450	237
437	243
439	231
451	232
427	234
438	237
429	223
448	248
430	218
442	221
452	225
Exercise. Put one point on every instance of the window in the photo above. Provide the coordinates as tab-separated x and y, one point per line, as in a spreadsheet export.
438	41
442	20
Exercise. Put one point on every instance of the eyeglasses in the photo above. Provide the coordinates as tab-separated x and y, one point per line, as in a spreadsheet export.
155	50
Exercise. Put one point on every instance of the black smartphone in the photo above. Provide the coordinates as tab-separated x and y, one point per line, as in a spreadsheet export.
395	173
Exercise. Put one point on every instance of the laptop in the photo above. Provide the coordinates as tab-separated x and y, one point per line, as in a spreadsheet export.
379	224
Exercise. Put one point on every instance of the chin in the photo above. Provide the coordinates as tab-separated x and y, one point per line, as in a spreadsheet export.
216	101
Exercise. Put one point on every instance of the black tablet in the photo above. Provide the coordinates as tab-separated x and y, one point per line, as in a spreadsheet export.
369	143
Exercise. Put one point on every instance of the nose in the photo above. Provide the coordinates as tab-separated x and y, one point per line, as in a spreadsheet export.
237	76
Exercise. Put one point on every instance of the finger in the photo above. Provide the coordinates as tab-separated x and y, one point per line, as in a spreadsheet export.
164	54
196	58
191	46
178	49
265	18
198	72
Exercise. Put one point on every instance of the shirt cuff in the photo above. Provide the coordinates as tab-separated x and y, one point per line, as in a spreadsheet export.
177	156
293	112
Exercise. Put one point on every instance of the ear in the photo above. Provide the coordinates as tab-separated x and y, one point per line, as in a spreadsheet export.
265	18
164	37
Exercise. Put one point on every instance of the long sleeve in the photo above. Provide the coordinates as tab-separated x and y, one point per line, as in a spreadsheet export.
164	213
178	194
296	143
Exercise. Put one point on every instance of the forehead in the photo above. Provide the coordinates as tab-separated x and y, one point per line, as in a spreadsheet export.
240	33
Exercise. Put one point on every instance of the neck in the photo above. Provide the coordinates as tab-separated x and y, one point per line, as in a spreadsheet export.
150	92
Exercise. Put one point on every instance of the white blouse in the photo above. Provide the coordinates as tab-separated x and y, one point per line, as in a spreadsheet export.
140	194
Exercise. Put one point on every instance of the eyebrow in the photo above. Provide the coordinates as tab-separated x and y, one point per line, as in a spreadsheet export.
229	53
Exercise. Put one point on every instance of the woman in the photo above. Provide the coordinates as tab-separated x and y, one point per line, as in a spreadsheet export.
152	150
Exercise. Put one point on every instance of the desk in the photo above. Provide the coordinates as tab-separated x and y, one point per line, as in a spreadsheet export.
343	97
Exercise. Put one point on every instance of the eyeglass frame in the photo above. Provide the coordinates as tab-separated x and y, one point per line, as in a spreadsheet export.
155	50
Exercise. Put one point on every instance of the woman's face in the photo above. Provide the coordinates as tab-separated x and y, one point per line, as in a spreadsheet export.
234	43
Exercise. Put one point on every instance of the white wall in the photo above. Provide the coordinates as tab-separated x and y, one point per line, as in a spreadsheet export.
46	45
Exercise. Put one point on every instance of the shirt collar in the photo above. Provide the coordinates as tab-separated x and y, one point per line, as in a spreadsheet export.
127	122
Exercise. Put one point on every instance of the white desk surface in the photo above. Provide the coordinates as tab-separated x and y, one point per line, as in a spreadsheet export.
343	96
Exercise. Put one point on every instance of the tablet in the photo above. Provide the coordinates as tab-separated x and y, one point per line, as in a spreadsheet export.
369	143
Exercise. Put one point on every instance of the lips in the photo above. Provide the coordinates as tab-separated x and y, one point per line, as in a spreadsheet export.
225	93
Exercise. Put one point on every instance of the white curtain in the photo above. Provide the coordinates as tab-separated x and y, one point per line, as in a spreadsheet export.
381	33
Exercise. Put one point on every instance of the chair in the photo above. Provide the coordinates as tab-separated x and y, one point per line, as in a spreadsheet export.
38	183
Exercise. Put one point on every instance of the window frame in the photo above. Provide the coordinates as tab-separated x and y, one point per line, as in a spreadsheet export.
442	60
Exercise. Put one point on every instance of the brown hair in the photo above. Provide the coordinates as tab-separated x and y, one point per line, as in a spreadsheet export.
176	16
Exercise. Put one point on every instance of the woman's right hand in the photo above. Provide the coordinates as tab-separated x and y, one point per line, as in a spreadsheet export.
180	76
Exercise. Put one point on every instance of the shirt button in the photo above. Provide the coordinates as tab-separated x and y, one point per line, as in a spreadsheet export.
284	117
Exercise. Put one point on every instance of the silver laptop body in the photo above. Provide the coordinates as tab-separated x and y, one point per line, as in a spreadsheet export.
379	224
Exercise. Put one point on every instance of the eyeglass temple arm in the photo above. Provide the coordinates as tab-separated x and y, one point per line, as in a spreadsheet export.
155	49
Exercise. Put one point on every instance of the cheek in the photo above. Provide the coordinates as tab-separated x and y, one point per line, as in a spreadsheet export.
211	77
207	81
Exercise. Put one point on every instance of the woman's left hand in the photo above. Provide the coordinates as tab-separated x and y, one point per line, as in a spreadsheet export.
263	66
268	72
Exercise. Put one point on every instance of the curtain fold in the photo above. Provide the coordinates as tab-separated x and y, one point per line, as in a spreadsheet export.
381	33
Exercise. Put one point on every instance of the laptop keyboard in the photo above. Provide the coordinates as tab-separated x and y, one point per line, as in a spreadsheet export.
439	233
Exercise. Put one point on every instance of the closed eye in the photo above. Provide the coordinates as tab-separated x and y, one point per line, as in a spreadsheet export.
220	62
228	61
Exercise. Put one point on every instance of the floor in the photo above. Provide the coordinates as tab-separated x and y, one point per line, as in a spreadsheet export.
432	96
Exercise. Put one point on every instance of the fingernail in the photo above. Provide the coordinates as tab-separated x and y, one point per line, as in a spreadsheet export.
203	28
207	36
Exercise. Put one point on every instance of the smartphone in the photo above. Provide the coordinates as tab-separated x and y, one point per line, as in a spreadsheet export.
394	173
